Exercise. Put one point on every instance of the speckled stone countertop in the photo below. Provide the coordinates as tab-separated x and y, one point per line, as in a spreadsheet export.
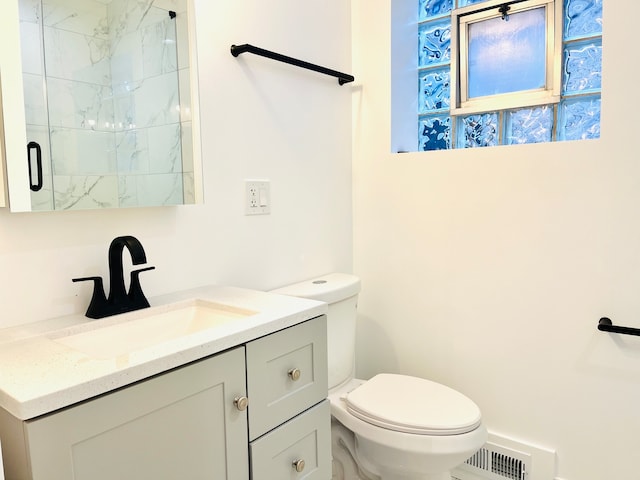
39	373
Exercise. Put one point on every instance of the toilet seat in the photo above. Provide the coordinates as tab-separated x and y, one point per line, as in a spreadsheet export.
413	405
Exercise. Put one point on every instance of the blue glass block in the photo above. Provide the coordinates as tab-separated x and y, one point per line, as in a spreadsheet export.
434	90
582	71
434	43
579	118
478	131
582	18
464	3
529	125
434	8
435	132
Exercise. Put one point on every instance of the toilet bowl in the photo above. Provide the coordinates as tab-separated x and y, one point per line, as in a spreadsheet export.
446	431
391	427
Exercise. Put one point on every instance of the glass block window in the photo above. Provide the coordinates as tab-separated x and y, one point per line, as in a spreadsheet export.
573	115
582	67
582	18
478	130
528	125
434	8
434	43
435	132
579	111
464	3
434	75
579	118
434	93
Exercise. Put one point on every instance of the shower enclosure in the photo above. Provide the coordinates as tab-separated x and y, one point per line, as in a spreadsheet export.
107	103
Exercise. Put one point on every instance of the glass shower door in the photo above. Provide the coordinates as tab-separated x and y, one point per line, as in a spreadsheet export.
102	103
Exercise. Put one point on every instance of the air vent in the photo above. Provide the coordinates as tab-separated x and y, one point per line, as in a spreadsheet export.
502	458
495	462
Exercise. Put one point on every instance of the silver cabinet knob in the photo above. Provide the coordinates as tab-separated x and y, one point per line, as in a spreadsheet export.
298	465
241	403
294	374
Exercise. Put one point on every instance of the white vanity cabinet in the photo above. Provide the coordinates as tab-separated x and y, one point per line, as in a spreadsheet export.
286	374
181	424
287	377
193	422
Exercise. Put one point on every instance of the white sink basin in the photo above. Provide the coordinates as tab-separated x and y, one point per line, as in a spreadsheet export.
152	326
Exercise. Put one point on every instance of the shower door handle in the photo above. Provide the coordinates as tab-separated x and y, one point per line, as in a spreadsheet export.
34	146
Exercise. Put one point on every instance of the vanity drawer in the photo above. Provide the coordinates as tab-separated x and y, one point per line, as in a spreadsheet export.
299	449
286	374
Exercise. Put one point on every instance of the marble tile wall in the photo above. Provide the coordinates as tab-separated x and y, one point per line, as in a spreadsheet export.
147	104
117	112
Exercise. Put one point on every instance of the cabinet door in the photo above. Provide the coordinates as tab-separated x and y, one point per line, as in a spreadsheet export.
181	424
286	374
299	449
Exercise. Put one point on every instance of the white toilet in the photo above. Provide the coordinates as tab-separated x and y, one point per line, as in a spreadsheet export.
391	427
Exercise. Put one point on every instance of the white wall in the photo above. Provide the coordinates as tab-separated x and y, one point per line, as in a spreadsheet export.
488	269
260	119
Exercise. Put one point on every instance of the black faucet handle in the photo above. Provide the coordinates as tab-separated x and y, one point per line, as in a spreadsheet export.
136	296
137	272
98	301
87	279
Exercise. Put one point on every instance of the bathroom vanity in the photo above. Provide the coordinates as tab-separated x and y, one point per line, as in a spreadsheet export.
237	391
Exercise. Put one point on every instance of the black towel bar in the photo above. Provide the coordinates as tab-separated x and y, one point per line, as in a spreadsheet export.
606	325
342	77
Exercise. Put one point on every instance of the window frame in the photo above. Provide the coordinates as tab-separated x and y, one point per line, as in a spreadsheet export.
461	18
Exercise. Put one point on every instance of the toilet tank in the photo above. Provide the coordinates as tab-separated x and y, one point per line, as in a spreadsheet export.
340	292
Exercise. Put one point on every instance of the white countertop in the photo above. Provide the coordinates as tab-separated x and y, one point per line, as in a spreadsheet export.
39	375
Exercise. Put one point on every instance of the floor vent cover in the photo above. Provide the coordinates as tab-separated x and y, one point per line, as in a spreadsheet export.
502	464
495	462
503	458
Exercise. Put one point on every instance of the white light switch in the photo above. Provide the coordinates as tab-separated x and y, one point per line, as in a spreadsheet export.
257	197
264	197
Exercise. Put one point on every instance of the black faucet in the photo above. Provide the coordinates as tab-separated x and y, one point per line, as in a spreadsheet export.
119	300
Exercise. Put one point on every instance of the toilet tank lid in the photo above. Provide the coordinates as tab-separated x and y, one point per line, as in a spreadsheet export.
330	288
